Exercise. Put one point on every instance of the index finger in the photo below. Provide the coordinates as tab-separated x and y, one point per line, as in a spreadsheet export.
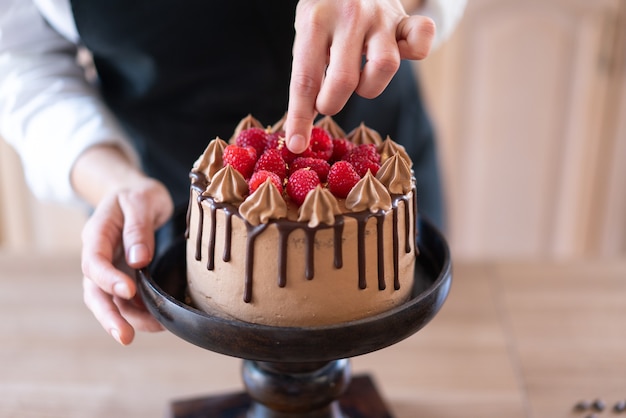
310	55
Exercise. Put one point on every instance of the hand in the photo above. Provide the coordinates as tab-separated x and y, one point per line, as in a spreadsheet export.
122	230
332	36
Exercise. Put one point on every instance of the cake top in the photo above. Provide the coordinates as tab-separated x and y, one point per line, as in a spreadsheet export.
337	173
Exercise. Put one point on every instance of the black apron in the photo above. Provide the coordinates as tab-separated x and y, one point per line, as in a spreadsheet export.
178	74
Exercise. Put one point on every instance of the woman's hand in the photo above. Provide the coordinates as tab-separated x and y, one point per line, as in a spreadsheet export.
332	37
118	237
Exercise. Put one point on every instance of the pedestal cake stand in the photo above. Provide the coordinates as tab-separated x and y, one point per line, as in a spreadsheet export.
293	372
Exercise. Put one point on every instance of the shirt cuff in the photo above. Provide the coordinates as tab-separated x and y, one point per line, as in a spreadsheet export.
446	14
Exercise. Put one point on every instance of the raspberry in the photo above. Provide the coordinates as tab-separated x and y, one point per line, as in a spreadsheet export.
271	160
362	165
287	155
321	145
363	151
300	183
242	159
275	140
341	147
341	179
318	165
259	177
253	137
364	157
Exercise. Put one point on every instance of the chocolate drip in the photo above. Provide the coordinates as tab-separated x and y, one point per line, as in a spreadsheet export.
211	247
286	227
228	237
415	221
361	221
309	270
283	236
253	232
380	218
188	214
200	226
396	255
407	225
338	259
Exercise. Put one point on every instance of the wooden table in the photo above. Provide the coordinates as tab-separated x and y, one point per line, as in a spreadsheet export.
513	340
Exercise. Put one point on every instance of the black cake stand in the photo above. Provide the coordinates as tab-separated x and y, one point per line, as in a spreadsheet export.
296	372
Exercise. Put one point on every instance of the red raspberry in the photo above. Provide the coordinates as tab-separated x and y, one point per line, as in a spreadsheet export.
364	157
341	147
271	160
300	183
318	165
362	165
287	155
242	159
253	137
321	145
259	178
363	151
275	140
341	179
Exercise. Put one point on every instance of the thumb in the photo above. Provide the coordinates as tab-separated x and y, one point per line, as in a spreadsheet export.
145	209
138	231
415	35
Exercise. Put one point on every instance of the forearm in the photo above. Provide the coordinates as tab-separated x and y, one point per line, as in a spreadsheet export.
102	170
48	112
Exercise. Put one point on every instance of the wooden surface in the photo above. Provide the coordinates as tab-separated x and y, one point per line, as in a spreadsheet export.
513	340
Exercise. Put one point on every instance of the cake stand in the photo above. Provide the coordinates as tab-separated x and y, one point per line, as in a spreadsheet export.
296	372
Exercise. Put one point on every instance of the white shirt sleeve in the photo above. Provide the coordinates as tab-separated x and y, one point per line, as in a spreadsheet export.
49	113
446	14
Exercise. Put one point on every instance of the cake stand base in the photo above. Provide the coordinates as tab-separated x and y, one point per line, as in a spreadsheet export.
360	400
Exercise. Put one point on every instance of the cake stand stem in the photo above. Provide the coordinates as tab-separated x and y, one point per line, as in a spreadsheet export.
296	390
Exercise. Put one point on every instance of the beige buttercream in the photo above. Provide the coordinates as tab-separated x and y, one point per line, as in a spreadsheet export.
389	148
368	194
319	207
264	204
210	162
227	186
395	174
365	135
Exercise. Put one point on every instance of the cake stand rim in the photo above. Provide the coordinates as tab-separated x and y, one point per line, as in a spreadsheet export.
439	289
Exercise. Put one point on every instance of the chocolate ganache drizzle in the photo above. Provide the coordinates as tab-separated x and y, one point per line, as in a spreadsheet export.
285	227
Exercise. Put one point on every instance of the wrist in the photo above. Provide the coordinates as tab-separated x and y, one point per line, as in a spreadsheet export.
102	170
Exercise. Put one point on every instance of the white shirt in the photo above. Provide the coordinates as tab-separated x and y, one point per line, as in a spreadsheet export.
50	114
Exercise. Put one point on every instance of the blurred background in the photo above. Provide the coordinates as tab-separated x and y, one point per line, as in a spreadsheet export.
529	101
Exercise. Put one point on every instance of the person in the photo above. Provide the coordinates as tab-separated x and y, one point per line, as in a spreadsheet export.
171	78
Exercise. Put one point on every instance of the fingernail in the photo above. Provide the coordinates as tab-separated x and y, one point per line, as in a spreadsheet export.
121	289
297	144
138	253
116	335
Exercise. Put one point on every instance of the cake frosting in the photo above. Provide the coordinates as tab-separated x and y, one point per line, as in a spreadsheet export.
262	258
